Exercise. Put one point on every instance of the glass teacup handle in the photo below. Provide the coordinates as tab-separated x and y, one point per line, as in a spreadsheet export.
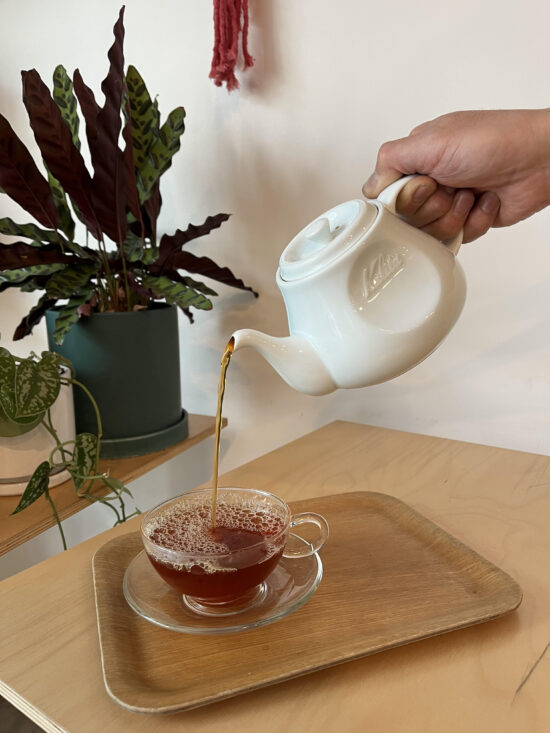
388	197
297	546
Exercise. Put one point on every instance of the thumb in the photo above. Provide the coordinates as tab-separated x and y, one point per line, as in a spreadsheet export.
395	159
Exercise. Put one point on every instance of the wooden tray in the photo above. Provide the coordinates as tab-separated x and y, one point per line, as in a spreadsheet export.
391	576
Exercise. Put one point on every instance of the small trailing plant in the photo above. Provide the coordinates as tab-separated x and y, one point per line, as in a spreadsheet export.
28	389
121	265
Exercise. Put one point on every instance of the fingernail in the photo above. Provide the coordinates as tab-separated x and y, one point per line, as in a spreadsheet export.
370	185
421	194
463	203
489	202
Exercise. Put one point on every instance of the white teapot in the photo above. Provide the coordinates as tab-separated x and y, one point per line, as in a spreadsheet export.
367	295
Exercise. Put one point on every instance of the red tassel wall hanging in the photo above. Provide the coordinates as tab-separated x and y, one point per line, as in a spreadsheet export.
230	20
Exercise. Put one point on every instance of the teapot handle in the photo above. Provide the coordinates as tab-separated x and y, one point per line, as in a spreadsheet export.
388	197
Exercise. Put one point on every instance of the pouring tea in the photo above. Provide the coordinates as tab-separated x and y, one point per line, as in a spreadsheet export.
367	295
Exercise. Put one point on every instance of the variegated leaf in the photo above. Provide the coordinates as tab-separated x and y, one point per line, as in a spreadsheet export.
159	157
30	231
7	382
37	485
66	221
176	292
36	387
144	116
15	276
34	316
84	458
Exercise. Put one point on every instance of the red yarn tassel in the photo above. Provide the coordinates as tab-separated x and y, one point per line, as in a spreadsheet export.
228	15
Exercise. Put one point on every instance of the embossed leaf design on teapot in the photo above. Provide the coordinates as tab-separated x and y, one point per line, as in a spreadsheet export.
367	295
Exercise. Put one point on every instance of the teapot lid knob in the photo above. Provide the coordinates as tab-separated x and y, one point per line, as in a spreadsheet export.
326	238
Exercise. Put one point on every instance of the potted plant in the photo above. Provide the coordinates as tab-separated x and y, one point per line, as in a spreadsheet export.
29	390
111	299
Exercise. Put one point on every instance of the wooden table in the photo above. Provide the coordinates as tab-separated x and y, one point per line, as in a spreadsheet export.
16	529
486	678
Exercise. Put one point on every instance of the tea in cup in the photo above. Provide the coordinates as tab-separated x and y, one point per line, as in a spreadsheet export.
220	566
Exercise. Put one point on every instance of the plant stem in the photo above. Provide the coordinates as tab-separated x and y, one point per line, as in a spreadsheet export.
56	515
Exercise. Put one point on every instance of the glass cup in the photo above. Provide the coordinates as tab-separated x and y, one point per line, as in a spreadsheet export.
222	570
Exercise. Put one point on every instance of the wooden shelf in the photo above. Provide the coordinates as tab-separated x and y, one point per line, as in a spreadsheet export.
16	529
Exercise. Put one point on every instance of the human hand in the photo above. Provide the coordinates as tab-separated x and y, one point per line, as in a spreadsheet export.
478	169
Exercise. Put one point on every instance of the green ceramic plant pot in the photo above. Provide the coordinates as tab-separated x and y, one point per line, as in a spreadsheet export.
130	363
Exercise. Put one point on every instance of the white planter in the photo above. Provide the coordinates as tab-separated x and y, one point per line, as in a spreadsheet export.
20	455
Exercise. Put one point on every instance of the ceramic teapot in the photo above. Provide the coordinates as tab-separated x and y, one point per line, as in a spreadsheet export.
367	295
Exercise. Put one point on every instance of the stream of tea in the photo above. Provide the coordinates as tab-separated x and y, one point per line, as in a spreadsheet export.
226	358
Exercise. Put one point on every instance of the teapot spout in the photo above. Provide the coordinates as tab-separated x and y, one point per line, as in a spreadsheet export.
295	360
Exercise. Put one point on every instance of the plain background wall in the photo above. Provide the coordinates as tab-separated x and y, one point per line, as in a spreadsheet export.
332	81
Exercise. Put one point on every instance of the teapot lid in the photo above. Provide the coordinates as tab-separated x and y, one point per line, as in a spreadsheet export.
326	238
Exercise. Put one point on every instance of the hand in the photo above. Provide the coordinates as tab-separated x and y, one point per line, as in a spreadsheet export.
479	169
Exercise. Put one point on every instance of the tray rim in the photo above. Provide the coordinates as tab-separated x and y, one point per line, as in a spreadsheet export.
512	586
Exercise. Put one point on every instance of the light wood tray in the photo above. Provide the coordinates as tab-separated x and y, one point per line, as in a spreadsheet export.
391	576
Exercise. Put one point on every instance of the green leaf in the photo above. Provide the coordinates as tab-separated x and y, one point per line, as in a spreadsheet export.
7	382
71	280
144	116
11	429
37	485
159	157
66	221
116	485
84	458
68	315
176	292
65	99
14	276
31	231
36	387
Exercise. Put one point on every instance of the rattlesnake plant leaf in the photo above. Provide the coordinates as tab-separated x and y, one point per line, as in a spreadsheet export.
129	177
176	292
31	231
108	188
170	244
89	107
66	223
68	314
65	99
84	458
56	145
36	387
33	317
195	284
19	254
21	179
71	280
11	278
208	268
159	157
38	484
144	116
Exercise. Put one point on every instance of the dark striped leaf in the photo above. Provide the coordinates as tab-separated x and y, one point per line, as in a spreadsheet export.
84	458
56	145
176	292
71	280
69	314
18	276
129	173
37	485
21	179
107	158
33	317
159	157
66	101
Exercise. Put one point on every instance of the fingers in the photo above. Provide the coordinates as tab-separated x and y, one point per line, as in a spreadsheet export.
386	171
482	216
450	224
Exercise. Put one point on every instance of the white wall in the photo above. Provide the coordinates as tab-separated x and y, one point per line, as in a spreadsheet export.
332	81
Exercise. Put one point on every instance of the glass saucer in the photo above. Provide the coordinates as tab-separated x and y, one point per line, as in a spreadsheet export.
288	587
